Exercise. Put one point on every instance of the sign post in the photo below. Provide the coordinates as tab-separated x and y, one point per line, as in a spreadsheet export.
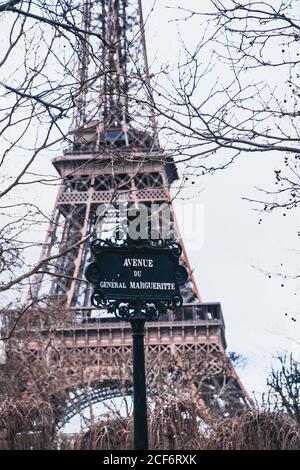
139	383
137	280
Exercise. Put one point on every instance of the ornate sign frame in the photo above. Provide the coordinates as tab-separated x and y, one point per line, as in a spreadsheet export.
127	304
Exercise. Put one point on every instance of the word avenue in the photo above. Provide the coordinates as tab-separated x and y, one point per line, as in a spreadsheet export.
138	263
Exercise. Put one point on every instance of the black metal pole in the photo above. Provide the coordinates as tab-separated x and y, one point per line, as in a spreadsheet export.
139	384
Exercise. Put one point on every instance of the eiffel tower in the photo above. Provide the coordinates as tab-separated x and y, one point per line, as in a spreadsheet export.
114	156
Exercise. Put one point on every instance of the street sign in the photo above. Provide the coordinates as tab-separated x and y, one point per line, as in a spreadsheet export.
136	280
141	270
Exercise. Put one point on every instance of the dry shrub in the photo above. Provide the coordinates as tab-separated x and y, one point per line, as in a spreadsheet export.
173	424
26	425
176	423
112	432
254	430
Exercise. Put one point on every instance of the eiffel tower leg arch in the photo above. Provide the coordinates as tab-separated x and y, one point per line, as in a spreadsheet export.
76	401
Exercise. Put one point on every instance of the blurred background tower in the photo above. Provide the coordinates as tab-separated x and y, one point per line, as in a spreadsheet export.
114	157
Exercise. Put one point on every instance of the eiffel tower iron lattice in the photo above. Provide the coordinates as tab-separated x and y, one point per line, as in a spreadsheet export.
114	158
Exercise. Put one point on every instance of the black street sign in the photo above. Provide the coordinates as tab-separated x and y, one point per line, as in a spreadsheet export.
141	270
128	273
